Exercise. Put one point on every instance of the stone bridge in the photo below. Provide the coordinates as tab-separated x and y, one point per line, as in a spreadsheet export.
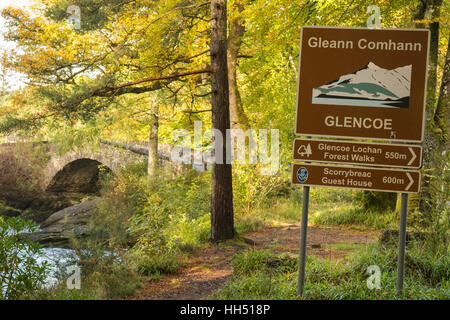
81	165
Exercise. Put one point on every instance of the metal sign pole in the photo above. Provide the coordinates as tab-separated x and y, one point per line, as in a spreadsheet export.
402	243
303	239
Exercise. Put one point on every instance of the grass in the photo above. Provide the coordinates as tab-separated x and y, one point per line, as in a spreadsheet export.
265	275
289	210
346	246
327	207
156	266
247	223
350	215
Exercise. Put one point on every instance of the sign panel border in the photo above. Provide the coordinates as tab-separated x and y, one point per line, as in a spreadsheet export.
298	134
358	163
354	188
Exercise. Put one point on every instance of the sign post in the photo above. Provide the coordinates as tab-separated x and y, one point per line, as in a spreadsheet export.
358	83
402	243
303	239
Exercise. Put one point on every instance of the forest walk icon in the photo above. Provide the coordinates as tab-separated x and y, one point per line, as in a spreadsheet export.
371	86
305	150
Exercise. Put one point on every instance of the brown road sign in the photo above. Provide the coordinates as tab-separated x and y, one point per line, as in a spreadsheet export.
404	181
362	83
375	154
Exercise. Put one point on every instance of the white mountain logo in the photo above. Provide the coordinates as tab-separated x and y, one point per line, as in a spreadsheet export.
370	86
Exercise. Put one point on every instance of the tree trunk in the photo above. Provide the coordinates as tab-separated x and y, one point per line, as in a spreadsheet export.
153	140
429	10
222	217
237	29
442	114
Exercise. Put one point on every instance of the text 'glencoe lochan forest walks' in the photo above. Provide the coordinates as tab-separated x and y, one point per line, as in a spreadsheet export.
224	159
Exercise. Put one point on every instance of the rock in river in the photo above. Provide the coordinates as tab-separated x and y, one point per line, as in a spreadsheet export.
63	225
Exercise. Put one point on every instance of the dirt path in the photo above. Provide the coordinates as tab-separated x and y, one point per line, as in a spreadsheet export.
322	241
210	266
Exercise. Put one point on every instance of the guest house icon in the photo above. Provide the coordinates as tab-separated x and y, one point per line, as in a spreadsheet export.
302	175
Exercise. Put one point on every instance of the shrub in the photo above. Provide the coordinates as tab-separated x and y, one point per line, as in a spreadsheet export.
20	273
252	261
156	265
20	167
252	190
377	201
143	226
112	276
108	270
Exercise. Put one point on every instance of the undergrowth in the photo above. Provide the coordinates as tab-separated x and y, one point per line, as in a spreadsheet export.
264	275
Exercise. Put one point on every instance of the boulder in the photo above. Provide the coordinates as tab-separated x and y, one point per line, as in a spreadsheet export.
58	229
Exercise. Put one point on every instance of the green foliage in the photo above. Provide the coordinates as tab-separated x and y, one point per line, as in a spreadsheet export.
349	215
144	226
20	273
377	201
190	232
20	167
253	261
260	275
105	274
108	275
250	223
108	270
252	190
61	292
120	199
156	265
436	222
327	207
259	286
95	13
80	85
178	213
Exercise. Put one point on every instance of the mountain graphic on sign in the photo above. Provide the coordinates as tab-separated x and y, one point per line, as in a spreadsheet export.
371	86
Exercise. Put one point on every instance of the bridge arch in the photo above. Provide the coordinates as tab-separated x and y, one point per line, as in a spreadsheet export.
112	158
81	176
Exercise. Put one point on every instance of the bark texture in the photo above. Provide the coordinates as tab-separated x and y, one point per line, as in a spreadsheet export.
222	216
442	114
238	117
427	14
153	140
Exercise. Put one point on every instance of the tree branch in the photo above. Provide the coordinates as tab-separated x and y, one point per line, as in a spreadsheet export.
184	59
168	77
199	111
